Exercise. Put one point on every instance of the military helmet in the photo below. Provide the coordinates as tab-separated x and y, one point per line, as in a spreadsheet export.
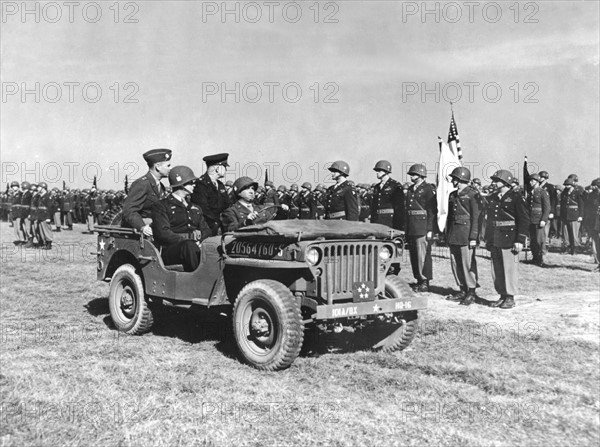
535	177
320	187
418	169
574	177
307	185
229	183
242	183
281	188
568	181
544	174
181	175
503	176
14	183
270	183
596	182
43	185
25	185
477	181
341	167
294	187
383	165
34	184
260	189
461	174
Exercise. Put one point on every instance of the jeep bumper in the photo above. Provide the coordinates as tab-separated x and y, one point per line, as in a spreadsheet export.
345	310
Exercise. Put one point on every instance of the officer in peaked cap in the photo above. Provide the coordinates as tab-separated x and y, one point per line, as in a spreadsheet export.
506	232
421	210
387	200
538	204
210	193
178	225
462	227
146	191
341	202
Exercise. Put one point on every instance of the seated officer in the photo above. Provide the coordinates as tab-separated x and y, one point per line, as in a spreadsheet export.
178	225
244	212
146	191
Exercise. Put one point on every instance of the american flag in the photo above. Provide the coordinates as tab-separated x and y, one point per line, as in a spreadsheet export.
454	140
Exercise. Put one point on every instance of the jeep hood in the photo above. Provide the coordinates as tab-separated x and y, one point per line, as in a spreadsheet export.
313	229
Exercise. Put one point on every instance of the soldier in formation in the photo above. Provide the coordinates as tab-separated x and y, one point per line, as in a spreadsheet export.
341	202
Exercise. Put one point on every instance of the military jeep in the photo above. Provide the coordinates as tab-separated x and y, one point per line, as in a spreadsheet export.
275	279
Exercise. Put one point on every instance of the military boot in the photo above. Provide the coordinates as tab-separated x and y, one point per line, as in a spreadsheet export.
508	303
459	296
470	298
424	286
499	302
30	243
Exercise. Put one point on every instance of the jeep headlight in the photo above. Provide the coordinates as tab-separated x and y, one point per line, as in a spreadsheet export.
313	256
385	253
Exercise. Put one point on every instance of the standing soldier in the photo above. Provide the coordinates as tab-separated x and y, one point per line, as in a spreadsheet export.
283	198
571	210
271	197
538	203
43	216
293	201
577	224
33	214
387	201
341	202
56	200
16	211
462	233
507	228
67	208
146	191
421	209
590	217
307	202
25	211
552	194
319	196
210	193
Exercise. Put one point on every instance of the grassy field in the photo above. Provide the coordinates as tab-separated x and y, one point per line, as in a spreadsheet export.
473	376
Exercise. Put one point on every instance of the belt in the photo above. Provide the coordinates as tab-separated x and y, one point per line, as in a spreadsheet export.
386	211
574	207
338	214
304	209
417	212
536	208
504	223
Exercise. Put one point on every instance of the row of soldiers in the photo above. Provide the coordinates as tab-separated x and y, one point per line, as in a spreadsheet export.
31	208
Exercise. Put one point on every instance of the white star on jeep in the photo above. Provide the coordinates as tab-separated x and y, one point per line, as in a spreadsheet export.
376	308
366	289
101	243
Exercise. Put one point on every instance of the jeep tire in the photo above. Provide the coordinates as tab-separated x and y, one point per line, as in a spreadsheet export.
394	334
127	303
267	325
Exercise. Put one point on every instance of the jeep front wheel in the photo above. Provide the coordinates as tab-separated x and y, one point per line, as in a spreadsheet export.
128	307
394	332
268	325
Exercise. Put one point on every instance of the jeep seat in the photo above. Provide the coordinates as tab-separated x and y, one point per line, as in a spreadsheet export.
175	267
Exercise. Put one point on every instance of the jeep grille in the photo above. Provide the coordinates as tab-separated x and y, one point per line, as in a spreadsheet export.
346	263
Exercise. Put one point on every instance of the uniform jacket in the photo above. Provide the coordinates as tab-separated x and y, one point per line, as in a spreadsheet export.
341	202
387	204
320	204
571	204
538	203
33	210
173	222
26	203
507	220
294	208
236	216
421	209
143	194
67	202
553	195
44	206
463	216
15	206
591	208
271	197
212	199
307	204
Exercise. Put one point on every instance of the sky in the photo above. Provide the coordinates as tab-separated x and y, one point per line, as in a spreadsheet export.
290	87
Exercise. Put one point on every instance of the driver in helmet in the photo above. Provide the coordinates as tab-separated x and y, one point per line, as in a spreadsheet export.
245	212
178	225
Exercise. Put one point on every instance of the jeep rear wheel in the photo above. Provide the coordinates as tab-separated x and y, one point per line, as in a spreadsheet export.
128	307
394	332
267	325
